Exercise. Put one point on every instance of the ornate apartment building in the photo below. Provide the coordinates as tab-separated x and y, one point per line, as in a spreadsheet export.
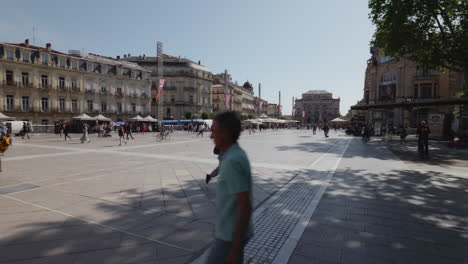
248	106
43	85
187	87
318	106
242	97
400	92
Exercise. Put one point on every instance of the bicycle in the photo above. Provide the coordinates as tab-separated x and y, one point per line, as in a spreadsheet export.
163	136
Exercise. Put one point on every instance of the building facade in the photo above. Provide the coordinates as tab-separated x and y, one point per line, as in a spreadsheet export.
187	88
318	106
260	106
43	85
236	92
400	92
248	107
272	110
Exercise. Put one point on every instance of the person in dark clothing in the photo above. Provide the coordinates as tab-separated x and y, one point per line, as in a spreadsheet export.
66	130
403	134
423	132
25	131
128	131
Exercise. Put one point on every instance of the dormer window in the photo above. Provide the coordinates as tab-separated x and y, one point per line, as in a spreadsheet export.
74	65
62	63
90	67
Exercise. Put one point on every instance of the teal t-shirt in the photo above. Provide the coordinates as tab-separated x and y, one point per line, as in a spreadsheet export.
234	177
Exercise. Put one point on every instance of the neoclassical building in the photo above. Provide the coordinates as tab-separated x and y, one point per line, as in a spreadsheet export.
318	106
401	92
187	87
43	85
242	97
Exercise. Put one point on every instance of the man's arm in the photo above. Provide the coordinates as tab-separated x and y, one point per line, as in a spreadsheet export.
242	222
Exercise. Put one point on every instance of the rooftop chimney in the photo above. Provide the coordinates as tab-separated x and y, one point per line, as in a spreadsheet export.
26	42
48	46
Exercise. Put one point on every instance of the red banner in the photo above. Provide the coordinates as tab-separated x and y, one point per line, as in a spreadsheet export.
293	112
228	100
261	106
160	89
303	114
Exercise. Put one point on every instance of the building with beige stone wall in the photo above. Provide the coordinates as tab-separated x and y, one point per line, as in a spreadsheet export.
236	101
43	85
318	106
400	92
187	88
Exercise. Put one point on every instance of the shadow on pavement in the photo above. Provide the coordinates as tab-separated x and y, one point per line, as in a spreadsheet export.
390	215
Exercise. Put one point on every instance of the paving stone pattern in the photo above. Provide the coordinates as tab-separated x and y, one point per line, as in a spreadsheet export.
275	223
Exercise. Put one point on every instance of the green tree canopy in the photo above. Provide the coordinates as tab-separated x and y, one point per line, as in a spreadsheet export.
188	115
204	115
433	33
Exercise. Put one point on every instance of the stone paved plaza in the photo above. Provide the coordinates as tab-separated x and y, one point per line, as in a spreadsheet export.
317	200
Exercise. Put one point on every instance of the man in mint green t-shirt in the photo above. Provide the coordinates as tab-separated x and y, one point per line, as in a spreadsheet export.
233	193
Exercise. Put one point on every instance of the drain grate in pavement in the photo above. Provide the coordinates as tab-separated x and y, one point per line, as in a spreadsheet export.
17	188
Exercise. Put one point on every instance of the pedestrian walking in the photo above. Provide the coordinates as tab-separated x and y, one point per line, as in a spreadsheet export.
314	129
233	193
326	129
128	131
403	134
4	142
121	131
84	137
423	132
66	130
99	130
200	130
25	131
61	128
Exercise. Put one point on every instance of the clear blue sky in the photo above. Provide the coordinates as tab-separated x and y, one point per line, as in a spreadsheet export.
293	46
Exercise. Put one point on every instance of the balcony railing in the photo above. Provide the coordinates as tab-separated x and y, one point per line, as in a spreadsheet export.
45	87
119	94
10	83
89	91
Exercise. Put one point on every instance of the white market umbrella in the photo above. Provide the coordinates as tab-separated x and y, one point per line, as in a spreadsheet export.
5	118
137	118
100	117
338	120
150	119
83	117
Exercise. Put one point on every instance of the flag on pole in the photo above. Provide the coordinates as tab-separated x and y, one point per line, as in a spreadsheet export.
228	100
261	105
160	89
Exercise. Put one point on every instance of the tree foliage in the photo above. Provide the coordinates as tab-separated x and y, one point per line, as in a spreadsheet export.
433	33
204	115
188	115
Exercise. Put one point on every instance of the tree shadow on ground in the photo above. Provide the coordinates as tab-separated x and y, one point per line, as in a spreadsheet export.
155	225
439	153
392	216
